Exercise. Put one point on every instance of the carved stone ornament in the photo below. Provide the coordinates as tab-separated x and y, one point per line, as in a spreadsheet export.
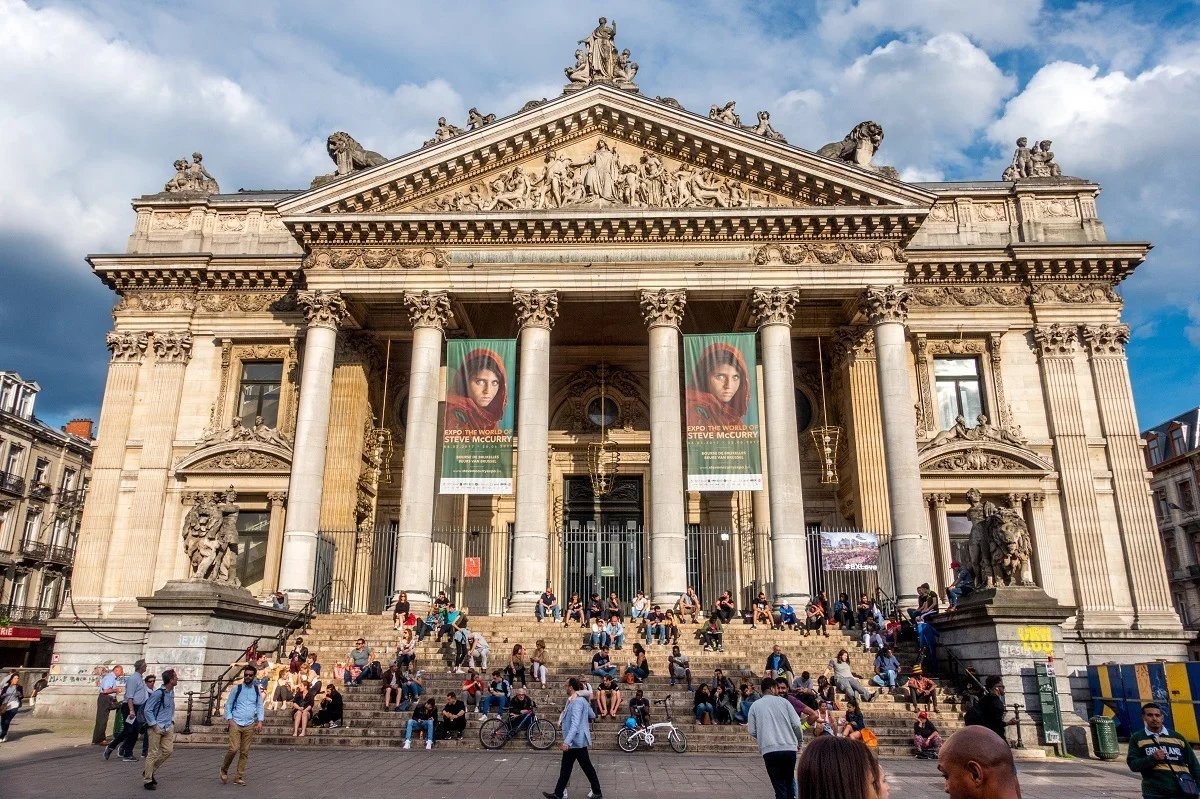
858	148
277	497
969	296
239	433
230	458
885	304
852	342
192	178
663	307
1032	162
322	308
173	347
835	252
1087	292
582	387
975	459
428	309
127	347
375	258
476	120
1105	339
774	306
348	157
536	308
1055	340
956	346
156	301
241	302
728	116
598	61
982	431
210	537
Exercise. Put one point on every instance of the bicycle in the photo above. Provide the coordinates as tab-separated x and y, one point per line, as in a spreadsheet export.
629	740
541	733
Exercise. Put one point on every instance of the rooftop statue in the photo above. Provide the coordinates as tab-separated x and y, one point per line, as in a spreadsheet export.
348	156
445	131
858	148
476	120
598	61
727	114
1032	162
999	548
192	178
765	128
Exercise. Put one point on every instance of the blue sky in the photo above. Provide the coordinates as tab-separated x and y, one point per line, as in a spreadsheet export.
101	97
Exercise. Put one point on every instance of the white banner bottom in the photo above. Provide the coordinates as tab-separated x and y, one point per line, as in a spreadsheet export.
476	485
724	482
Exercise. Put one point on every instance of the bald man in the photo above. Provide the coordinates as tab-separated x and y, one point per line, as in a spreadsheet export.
977	764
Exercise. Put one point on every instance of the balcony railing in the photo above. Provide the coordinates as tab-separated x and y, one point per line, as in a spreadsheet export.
37	550
40	490
64	556
26	614
71	497
11	483
33	549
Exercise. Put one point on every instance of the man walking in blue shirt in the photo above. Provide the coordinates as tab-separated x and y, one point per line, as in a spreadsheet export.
106	701
244	712
160	716
577	737
133	707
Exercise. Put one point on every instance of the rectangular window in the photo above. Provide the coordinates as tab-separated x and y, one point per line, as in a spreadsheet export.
1187	500
12	463
1195	539
959	392
1178	447
41	470
259	392
1171	554
68	480
6	529
1181	608
252	547
960	535
1153	451
32	527
1161	508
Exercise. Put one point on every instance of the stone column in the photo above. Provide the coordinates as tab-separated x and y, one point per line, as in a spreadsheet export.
663	312
1135	515
324	312
276	501
774	310
886	309
428	313
1035	520
941	527
536	313
760	504
135	570
854	348
96	527
1056	345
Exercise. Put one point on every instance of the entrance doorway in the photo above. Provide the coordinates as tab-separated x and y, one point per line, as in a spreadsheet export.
604	541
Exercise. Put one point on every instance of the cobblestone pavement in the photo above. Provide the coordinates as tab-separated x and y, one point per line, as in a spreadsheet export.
40	761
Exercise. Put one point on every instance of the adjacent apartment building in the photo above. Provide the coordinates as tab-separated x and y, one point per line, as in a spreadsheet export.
1173	455
43	476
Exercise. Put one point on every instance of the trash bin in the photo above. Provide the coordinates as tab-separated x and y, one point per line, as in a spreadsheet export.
1104	738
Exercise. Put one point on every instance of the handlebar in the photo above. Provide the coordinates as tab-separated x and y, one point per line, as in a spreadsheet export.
666	701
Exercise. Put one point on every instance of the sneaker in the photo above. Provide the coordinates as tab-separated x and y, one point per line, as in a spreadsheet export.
429	744
595	795
130	759
549	795
333	725
224	776
408	744
108	750
239	781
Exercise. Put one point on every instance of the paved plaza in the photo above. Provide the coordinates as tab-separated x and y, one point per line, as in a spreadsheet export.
54	761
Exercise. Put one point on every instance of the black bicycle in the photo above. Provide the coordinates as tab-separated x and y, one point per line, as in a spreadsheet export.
541	733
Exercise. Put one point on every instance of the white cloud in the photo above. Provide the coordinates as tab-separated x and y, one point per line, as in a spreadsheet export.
992	24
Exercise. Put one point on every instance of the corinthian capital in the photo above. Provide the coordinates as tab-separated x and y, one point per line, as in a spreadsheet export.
885	304
322	308
853	342
428	309
1105	339
127	347
1055	340
774	306
663	308
536	308
173	347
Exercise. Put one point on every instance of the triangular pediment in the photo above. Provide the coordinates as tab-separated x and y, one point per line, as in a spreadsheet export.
982	456
605	150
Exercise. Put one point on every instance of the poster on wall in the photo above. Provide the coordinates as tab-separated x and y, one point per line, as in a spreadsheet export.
477	441
851	551
721	399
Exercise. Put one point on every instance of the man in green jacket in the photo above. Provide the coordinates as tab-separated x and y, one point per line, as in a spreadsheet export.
1164	759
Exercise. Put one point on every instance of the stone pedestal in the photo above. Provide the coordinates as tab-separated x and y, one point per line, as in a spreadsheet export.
1005	631
79	653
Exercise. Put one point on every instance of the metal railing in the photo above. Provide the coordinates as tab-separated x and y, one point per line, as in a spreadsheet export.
26	614
11	483
33	548
299	621
40	490
64	556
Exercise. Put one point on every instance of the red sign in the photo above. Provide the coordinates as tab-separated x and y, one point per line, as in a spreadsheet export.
22	633
471	567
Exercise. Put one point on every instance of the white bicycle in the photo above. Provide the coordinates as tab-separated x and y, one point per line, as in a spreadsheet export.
629	740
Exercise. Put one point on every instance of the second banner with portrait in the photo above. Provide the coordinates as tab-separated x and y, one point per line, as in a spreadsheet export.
721	399
477	441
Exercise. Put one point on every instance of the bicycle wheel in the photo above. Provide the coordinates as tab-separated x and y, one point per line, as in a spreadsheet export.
626	741
493	734
542	734
677	740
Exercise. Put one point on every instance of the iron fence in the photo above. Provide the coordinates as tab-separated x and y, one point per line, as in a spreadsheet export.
361	567
603	560
472	566
714	564
852	583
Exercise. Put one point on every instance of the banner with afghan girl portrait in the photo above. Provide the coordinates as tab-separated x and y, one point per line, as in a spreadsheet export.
477	440
721	400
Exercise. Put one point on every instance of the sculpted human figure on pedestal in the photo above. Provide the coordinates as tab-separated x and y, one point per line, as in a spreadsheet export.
999	547
601	50
444	132
192	178
725	113
476	120
1032	162
600	62
765	128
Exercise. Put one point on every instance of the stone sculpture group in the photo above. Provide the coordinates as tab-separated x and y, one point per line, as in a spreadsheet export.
191	178
726	114
999	548
1032	162
210	537
599	62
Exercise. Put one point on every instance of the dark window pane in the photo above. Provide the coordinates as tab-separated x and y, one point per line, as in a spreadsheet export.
259	394
262	372
252	547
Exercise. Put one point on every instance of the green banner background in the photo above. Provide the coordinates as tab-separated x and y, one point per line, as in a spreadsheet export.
721	400
477	440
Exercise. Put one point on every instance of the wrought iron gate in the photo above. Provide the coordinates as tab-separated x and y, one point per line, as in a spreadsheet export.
471	566
360	565
712	563
603	561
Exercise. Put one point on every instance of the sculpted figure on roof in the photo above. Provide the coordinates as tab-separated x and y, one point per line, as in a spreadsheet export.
599	61
859	147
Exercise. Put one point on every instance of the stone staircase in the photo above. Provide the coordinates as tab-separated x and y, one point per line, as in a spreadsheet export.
366	723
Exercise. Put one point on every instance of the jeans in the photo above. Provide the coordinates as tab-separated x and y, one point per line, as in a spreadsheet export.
569	758
426	725
129	734
887	679
781	769
956	593
411	689
713	639
349	680
597	640
500	703
605	671
851	687
540	611
635	613
743	711
702	708
6	719
638	674
660	629
615	640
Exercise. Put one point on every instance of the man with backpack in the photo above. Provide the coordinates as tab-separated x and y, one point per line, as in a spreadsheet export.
245	713
160	719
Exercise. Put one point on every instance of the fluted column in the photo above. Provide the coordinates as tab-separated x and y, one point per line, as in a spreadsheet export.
96	527
1056	346
854	348
663	312
324	312
941	527
536	313
428	312
133	574
276	501
1035	520
774	310
1135	515
886	309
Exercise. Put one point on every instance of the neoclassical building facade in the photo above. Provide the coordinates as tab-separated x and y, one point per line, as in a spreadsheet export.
290	344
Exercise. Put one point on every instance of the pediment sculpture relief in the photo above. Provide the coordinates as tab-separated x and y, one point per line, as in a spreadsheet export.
238	432
239	448
348	157
982	431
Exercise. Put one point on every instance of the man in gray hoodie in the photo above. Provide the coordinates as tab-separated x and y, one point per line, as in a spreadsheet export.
576	738
774	723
